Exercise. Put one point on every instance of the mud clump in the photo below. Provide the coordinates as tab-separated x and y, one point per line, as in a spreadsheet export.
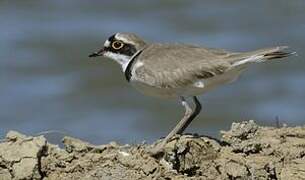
246	151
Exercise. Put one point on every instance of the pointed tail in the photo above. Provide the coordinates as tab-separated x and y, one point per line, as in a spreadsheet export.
278	53
262	55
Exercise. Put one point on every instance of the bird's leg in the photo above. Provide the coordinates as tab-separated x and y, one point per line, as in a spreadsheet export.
193	115
189	115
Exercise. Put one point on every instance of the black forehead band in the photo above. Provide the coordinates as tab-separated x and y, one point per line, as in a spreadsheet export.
112	38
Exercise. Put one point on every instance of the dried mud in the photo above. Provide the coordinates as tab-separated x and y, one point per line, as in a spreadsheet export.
246	151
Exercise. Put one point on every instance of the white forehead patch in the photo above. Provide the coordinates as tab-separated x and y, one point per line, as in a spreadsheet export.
107	43
119	36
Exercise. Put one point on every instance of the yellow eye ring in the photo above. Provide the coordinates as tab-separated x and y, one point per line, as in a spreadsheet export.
117	45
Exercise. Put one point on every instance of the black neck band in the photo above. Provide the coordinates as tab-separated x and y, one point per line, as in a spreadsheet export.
128	69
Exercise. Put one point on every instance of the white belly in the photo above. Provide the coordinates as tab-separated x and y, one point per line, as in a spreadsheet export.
198	88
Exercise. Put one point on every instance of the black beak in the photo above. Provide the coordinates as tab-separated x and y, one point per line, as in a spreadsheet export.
97	53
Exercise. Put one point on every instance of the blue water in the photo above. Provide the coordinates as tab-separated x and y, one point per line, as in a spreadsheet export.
48	83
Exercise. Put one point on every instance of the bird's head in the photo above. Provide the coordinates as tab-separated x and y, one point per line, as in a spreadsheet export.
120	47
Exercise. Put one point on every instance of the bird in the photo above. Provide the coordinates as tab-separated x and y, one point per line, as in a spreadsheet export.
180	71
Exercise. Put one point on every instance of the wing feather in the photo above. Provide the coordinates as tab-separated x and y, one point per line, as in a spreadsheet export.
175	66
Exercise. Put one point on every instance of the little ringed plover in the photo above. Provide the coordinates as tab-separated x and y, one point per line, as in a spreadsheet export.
179	70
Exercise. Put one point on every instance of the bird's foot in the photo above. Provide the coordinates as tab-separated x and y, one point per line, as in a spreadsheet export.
157	151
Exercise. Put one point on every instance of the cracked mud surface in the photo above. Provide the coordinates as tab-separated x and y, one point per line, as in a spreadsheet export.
246	151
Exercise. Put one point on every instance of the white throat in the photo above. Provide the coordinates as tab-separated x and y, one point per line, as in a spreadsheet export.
123	60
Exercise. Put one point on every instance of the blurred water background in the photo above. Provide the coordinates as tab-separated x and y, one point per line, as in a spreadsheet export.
47	82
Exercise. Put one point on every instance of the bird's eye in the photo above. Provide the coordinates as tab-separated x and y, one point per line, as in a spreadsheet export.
117	45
